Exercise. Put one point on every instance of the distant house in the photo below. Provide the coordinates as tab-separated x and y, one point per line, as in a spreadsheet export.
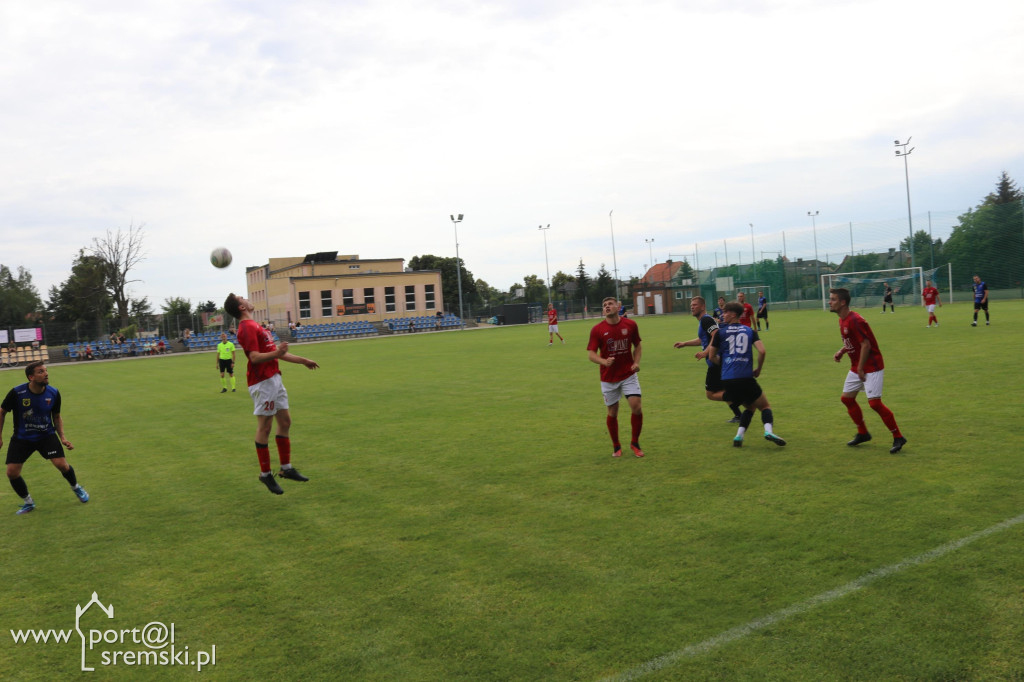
663	290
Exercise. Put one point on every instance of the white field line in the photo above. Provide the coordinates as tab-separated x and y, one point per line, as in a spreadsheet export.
665	660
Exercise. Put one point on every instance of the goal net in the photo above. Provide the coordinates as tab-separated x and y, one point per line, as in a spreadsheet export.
867	289
751	293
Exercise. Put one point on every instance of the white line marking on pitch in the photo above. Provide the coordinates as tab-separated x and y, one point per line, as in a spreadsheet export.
665	660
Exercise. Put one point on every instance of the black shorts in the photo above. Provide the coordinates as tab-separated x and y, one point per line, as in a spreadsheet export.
978	305
742	391
713	379
762	314
225	365
887	299
19	450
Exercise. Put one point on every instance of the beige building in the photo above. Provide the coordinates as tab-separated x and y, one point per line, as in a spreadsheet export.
325	287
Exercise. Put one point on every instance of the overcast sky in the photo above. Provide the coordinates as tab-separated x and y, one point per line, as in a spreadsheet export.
283	128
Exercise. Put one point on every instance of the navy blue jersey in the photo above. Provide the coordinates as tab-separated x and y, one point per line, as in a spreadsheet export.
718	315
979	291
706	327
32	413
735	344
762	304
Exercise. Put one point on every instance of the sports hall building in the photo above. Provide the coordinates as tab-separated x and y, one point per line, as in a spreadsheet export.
324	287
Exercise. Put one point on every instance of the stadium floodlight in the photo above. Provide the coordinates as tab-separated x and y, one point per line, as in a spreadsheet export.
458	268
615	263
814	230
906	174
650	252
547	268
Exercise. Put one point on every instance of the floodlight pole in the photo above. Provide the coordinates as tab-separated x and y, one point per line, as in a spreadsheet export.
458	265
615	264
547	269
650	252
817	267
906	174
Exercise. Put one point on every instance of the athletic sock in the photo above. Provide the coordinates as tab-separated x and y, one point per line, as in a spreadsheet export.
745	419
263	453
223	382
853	408
284	449
735	409
20	487
69	476
887	417
766	419
232	382
636	423
613	430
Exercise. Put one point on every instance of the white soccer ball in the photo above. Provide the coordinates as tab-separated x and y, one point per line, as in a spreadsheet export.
220	257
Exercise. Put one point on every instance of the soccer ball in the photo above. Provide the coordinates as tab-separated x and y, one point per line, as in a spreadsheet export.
220	257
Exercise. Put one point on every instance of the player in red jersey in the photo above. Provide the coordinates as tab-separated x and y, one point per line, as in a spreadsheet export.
931	296
866	370
747	317
553	325
267	390
615	345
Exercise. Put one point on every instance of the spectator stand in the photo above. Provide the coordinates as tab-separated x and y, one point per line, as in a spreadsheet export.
333	331
424	323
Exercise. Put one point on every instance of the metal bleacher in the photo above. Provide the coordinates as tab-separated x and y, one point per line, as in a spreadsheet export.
334	330
424	323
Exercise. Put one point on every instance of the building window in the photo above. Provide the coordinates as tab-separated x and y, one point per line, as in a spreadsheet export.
304	313
325	303
389	299
347	297
410	297
368	294
428	297
679	295
353	267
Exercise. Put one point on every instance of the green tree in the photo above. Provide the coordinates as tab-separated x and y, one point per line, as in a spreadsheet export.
927	253
449	280
604	285
208	307
176	306
583	283
560	280
19	298
83	295
685	271
989	239
536	292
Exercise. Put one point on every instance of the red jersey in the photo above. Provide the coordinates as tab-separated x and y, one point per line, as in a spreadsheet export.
855	330
930	295
255	339
552	316
615	341
747	317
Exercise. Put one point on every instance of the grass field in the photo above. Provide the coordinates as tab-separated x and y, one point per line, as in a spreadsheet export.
465	520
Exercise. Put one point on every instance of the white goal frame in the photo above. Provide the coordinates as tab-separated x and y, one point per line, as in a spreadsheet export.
912	274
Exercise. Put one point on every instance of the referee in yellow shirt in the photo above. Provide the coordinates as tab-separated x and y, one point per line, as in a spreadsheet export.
226	362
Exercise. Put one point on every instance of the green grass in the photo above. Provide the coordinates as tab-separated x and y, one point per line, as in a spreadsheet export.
465	520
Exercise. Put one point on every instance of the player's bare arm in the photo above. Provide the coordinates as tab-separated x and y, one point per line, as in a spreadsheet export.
637	351
58	424
299	360
596	358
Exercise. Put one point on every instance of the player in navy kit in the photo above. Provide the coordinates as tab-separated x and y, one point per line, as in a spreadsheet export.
733	347
38	427
707	327
980	300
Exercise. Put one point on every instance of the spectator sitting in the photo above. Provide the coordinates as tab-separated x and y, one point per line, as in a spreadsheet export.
437	320
88	352
133	350
161	347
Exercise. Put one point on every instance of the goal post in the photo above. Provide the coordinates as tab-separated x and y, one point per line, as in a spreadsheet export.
751	292
867	288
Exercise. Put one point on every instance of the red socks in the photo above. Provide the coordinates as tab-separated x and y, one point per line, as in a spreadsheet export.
887	417
855	414
613	430
636	422
263	453
284	449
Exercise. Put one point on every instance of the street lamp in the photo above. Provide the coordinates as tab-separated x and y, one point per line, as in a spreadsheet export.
817	268
546	268
458	267
753	257
906	172
650	252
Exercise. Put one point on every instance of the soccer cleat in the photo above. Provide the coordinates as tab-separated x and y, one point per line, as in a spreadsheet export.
81	494
774	438
223	390
232	390
26	508
617	453
734	420
272	486
292	474
897	445
987	323
737	442
858	439
635	447
974	324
